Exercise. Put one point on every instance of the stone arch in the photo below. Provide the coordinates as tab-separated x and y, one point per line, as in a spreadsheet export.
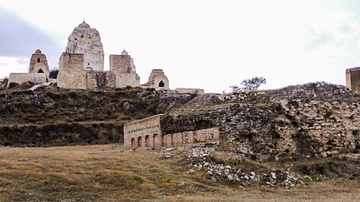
133	142
89	69
147	141
139	142
161	84
40	71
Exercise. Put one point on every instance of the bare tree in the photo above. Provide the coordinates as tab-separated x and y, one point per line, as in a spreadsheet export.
249	84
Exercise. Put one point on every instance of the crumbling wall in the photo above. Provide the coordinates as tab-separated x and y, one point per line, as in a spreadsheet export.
190	90
126	79
147	133
72	74
191	137
143	133
26	77
353	79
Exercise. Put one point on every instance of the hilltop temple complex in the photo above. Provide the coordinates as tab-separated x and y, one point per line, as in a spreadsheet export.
81	66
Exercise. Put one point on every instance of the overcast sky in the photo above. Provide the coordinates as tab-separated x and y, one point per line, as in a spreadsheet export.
208	44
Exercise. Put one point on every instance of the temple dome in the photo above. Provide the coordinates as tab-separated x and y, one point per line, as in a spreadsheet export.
84	25
38	51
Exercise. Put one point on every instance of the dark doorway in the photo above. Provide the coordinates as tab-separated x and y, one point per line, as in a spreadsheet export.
38	60
161	84
40	71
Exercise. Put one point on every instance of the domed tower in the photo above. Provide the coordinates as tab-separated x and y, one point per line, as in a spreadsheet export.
39	63
86	40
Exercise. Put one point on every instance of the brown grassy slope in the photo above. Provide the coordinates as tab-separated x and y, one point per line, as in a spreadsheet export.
54	117
113	173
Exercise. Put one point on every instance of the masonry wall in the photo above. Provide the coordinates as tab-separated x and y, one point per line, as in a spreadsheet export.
191	137
123	80
147	133
26	77
353	79
120	63
72	74
143	133
197	91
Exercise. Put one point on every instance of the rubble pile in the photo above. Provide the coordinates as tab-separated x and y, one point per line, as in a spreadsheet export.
201	160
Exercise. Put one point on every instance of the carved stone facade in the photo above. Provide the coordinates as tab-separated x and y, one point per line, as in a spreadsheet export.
146	133
353	79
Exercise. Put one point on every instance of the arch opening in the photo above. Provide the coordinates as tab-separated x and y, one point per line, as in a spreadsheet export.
161	84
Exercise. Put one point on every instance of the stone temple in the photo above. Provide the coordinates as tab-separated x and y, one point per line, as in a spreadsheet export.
81	66
38	70
86	40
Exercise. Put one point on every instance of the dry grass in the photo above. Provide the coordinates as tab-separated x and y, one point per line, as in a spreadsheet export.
113	173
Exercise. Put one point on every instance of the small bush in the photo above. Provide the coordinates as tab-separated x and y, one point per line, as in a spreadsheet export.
137	179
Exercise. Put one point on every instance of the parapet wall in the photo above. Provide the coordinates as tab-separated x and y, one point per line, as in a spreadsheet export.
26	77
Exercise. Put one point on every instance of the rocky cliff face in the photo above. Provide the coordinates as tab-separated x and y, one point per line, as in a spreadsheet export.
316	119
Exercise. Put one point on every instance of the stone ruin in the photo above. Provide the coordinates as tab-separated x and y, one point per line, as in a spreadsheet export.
81	66
38	70
353	79
146	133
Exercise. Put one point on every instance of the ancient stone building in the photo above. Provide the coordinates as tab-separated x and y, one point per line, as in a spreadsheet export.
87	71
86	40
39	63
38	70
71	72
353	79
158	80
122	66
146	133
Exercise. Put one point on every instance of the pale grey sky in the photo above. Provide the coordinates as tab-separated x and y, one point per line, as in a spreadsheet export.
208	44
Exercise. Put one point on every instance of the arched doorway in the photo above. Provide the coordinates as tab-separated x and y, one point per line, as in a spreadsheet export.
40	71
161	84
